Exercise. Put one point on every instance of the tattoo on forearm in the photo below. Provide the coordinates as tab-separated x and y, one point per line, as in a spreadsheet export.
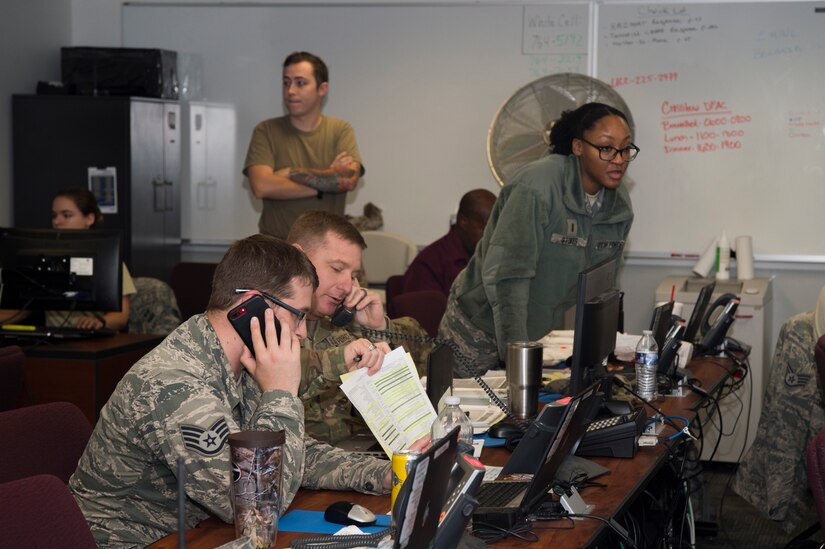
324	182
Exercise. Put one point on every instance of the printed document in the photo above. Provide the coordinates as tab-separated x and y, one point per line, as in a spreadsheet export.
392	402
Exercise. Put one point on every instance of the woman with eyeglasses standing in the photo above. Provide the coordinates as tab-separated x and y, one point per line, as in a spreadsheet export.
559	215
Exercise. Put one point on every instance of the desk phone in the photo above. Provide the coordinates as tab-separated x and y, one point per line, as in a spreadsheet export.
614	436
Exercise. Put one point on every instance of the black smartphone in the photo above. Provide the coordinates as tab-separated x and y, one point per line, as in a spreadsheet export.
241	315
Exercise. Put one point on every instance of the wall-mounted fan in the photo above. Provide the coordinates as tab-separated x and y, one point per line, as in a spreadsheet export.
520	129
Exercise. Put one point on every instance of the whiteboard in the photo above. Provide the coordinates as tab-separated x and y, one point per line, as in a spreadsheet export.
420	84
729	106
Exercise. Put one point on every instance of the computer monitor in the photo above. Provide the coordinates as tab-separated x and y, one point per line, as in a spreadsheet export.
49	269
598	306
661	322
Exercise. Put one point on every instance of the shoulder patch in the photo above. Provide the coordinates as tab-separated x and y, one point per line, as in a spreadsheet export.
208	442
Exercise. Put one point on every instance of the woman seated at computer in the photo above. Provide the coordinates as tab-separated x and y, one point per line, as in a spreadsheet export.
559	215
75	208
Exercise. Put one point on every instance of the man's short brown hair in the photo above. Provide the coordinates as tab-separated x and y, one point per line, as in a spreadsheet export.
259	262
311	228
319	68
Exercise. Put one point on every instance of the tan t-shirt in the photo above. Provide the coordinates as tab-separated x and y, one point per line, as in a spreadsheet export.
68	318
278	144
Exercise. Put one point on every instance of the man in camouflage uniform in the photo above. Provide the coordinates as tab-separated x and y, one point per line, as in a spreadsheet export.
772	476
184	398
335	247
154	308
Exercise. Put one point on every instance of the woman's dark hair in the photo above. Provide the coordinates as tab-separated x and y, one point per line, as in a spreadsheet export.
85	202
573	124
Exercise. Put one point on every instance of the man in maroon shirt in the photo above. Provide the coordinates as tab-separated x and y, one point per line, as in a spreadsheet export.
436	266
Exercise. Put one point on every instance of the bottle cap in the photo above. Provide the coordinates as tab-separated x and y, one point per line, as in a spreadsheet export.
452	400
647	332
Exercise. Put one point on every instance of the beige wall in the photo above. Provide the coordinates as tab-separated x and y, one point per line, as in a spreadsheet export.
31	34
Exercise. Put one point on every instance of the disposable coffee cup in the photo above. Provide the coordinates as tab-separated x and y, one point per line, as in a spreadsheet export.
524	360
257	458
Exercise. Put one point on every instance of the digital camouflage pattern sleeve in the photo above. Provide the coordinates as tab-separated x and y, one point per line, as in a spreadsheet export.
180	400
772	475
329	415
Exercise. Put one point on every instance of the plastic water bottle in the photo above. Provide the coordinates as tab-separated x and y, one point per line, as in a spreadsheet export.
647	364
451	416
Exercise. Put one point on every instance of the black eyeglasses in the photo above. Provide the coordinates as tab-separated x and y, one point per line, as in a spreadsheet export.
300	315
608	153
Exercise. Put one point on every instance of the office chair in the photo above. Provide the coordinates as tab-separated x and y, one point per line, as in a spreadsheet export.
816	474
819	357
12	362
192	284
387	254
39	512
42	439
426	306
393	288
154	308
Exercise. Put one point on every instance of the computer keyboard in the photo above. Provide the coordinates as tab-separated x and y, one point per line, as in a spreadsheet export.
499	494
50	332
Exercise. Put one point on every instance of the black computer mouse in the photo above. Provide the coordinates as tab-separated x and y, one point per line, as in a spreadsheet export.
346	512
503	429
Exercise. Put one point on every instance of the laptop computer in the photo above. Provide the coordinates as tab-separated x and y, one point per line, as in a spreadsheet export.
505	501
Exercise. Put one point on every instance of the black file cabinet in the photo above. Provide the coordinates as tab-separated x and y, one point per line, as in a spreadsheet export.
57	139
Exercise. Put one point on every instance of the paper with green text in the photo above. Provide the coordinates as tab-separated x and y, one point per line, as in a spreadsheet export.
392	402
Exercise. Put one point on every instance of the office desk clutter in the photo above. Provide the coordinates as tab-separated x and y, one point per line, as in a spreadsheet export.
617	496
716	259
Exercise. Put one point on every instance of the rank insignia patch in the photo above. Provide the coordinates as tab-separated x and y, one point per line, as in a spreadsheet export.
208	442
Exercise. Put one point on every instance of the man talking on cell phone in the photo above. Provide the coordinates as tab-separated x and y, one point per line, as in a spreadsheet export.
335	247
202	383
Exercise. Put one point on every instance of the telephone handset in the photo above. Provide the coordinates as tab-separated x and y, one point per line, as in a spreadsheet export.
462	360
240	316
344	315
721	301
716	334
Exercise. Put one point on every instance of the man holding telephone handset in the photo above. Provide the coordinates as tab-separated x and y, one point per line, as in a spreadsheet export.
340	307
217	373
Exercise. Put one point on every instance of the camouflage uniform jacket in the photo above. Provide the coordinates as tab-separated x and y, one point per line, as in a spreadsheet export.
181	400
329	416
772	475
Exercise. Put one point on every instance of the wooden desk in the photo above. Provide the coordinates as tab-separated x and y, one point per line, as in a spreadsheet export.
628	478
83	371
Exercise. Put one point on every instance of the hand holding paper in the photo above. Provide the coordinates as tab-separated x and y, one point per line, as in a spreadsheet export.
392	401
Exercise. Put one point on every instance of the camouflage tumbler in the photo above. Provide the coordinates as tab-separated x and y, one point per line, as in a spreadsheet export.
256	484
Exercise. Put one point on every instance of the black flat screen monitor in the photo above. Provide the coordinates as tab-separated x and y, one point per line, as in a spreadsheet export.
660	323
49	269
702	301
598	306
